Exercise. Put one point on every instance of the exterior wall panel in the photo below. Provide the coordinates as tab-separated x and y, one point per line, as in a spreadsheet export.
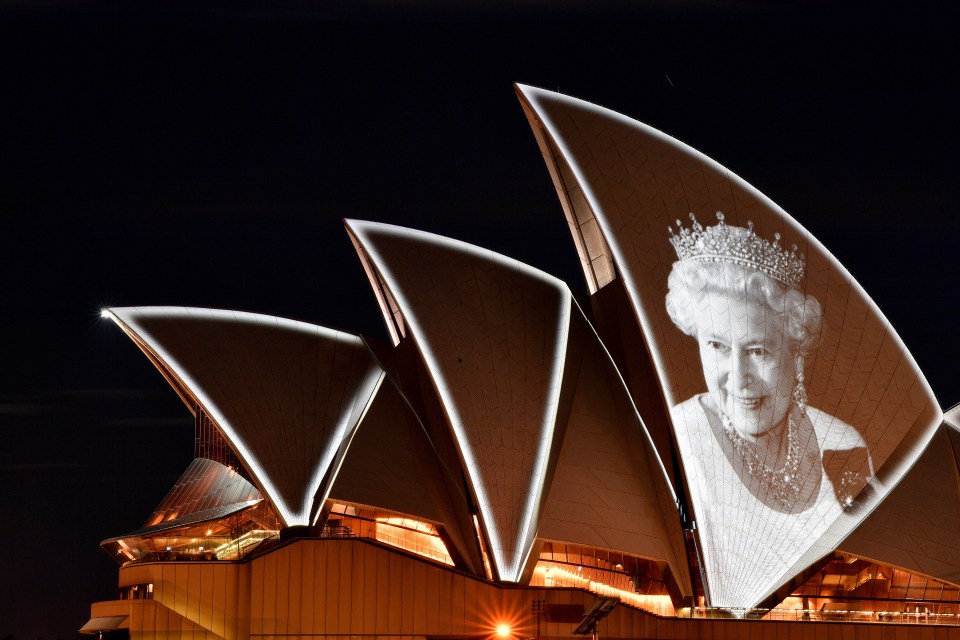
194	584
433	600
308	607
383	592
282	590
368	590
332	594
295	610
272	594
256	598
218	588
445	608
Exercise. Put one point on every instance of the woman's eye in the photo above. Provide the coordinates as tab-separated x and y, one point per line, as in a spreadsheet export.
713	345
757	352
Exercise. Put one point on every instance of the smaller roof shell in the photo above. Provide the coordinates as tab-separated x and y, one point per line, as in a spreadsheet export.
287	395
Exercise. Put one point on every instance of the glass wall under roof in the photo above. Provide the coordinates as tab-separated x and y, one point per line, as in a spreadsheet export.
396	530
636	581
228	538
852	588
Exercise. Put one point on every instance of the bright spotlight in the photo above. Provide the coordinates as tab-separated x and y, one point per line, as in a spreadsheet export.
105	313
503	630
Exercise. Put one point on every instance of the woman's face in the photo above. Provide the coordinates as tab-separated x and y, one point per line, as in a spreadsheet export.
748	362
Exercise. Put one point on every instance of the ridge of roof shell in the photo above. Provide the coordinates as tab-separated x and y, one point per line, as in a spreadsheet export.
364	229
174	312
236	365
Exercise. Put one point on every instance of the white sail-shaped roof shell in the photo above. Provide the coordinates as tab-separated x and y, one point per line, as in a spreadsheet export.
622	184
286	395
493	334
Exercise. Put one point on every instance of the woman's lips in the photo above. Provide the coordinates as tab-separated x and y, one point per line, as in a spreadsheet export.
747	403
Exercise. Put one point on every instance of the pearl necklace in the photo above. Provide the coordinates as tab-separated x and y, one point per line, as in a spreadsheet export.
783	484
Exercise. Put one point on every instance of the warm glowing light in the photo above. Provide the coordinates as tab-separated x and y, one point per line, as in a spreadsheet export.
610	584
503	630
235	547
412	535
209	531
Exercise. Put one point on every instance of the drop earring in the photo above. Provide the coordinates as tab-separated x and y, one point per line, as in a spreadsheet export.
800	391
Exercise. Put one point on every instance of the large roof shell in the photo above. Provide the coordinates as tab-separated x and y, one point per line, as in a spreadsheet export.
622	184
493	334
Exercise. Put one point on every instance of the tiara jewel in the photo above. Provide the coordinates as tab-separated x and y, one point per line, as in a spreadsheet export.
736	245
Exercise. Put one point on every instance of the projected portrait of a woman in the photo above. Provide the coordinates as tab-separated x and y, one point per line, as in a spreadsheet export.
739	296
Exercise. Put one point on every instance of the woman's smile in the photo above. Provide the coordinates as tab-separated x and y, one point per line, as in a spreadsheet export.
748	403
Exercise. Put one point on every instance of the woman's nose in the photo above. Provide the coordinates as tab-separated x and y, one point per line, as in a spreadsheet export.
740	374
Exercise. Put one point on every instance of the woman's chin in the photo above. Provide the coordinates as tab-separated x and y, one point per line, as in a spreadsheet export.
749	423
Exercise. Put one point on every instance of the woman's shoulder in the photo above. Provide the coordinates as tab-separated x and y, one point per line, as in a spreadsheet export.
690	416
845	456
691	408
833	434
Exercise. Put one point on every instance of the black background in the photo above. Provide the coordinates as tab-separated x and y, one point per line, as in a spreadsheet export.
204	154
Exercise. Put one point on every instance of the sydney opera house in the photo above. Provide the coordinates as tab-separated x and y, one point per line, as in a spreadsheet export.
725	438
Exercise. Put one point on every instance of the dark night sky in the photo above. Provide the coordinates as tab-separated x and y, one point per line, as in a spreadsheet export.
204	154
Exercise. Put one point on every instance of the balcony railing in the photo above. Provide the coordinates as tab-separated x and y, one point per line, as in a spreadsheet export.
914	613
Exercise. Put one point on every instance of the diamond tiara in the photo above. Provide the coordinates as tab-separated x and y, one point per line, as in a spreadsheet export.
736	245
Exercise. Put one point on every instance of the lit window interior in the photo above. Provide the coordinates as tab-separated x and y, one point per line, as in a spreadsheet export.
851	588
229	538
137	592
396	530
636	581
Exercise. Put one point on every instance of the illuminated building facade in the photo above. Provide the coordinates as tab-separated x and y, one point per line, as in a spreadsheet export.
731	439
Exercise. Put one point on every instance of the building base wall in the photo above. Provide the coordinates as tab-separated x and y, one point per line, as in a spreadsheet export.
358	590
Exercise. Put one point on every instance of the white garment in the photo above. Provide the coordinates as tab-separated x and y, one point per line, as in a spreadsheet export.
747	546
